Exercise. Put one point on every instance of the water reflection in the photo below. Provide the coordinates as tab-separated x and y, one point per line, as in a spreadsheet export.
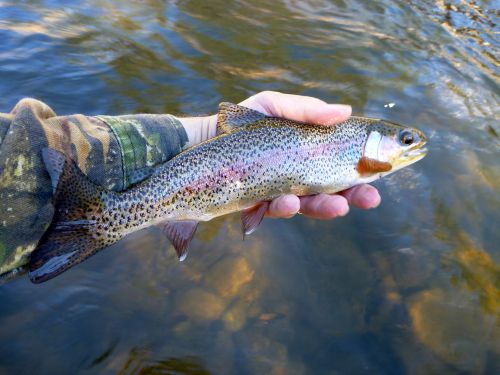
412	286
468	21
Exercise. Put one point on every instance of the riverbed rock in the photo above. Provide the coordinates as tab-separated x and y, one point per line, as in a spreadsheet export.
200	305
453	326
229	275
235	317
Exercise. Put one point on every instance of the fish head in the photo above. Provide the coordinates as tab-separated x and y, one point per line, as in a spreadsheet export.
390	147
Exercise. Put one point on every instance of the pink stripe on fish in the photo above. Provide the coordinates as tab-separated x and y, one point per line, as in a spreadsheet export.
240	170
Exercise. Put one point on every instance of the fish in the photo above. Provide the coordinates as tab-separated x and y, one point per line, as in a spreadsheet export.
253	159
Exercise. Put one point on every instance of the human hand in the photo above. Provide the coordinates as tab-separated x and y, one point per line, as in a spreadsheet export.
304	109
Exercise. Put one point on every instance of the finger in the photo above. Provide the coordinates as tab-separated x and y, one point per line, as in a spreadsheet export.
299	108
362	196
324	206
285	206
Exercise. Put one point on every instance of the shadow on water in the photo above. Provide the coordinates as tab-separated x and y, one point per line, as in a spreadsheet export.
139	362
411	287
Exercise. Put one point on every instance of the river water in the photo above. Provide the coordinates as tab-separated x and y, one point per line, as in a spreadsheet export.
411	287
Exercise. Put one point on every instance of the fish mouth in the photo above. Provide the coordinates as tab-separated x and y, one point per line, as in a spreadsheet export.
415	154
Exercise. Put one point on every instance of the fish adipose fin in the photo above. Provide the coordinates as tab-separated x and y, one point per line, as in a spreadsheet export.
368	166
252	217
180	233
73	235
232	116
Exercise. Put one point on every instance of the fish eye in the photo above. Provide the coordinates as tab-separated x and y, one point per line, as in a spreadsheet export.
406	137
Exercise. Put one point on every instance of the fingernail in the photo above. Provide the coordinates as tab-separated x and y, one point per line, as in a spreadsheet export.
288	204
344	209
370	198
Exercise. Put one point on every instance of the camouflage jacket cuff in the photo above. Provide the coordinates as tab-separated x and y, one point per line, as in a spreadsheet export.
145	141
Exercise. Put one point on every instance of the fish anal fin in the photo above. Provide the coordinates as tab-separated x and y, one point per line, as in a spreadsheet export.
180	234
367	166
252	217
232	116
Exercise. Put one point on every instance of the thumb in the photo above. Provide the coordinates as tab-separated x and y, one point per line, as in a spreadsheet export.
298	108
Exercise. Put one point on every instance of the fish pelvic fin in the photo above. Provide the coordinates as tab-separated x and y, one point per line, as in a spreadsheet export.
76	231
180	234
252	217
232	116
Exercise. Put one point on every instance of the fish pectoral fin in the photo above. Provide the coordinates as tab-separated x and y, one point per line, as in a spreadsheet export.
367	166
232	116
252	217
180	234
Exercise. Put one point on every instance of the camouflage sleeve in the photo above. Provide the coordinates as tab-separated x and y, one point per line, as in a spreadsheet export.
113	151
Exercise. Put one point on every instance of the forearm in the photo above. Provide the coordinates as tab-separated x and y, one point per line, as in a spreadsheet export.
199	129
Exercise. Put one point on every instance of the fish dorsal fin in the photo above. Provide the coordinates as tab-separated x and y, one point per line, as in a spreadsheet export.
252	217
54	163
180	233
232	116
367	166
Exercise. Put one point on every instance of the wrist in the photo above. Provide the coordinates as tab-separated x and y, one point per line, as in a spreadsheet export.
199	129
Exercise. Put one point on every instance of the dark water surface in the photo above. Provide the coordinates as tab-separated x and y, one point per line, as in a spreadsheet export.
411	287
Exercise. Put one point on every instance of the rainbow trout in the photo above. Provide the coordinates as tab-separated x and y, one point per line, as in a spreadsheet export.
253	159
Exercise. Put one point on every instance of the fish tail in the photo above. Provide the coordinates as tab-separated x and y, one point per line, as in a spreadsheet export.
76	231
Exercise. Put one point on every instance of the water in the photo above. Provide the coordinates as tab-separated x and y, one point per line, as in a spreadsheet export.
411	287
